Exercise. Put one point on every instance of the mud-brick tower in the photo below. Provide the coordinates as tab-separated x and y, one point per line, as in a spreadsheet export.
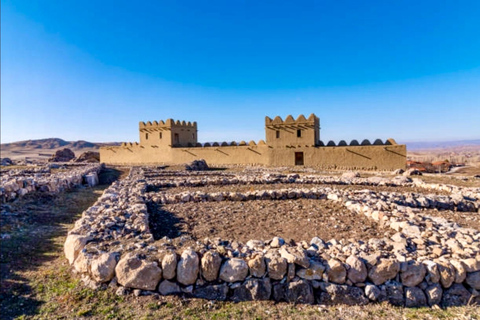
291	132
168	134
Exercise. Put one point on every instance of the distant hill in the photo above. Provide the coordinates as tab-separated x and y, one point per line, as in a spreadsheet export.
412	146
42	148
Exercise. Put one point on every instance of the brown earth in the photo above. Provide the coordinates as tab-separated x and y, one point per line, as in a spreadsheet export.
296	220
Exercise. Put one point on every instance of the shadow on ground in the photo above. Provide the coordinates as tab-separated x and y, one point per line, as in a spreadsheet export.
32	228
163	223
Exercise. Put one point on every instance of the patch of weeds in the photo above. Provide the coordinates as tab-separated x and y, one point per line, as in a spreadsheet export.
153	306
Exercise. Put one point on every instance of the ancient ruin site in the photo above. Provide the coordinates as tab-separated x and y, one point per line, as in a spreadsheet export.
240	160
292	236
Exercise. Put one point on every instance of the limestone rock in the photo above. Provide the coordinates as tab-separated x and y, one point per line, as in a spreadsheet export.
413	274
133	272
253	289
434	294
415	298
447	273
73	245
295	255
257	266
81	263
300	291
277	267
358	271
63	155
313	272
277	242
387	269
473	280
91	179
460	272
212	292
394	293
6	162
187	267
456	295
336	271
341	294
210	265
374	293
169	265
433	274
471	265
167	287
197	165
234	270
102	269
279	291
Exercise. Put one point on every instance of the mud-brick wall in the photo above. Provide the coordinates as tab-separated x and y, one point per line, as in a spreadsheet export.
385	157
137	154
223	155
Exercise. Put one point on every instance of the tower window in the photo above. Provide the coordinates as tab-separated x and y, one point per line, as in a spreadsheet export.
193	135
277	134
160	135
299	133
146	136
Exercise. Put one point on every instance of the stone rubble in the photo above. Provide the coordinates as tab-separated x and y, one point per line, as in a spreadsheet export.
17	183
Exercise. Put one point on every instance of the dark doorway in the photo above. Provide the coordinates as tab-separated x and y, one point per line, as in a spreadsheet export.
299	158
176	139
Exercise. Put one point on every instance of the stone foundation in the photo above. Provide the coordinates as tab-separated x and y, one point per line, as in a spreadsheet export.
17	183
429	261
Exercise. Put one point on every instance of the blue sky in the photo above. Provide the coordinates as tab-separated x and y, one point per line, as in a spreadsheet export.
92	70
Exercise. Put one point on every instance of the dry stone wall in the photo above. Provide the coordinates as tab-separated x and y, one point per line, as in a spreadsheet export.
17	183
428	261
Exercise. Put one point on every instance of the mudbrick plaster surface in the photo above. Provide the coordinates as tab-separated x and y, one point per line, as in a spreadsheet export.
289	142
427	261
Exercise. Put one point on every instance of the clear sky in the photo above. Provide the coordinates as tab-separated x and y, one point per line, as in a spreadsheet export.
92	70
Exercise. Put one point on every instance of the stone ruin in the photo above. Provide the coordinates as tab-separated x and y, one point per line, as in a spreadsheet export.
19	182
429	260
63	155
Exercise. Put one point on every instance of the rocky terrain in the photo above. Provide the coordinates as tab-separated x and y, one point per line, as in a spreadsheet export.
43	149
145	236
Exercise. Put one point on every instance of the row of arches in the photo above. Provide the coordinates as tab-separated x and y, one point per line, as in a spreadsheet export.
365	142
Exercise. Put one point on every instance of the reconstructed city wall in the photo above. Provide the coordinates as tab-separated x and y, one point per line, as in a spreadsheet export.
384	157
216	155
370	157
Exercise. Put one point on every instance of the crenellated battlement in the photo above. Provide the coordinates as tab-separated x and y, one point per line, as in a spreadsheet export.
302	131
288	142
290	121
166	125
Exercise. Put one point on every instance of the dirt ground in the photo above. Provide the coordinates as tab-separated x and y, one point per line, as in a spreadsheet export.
296	220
